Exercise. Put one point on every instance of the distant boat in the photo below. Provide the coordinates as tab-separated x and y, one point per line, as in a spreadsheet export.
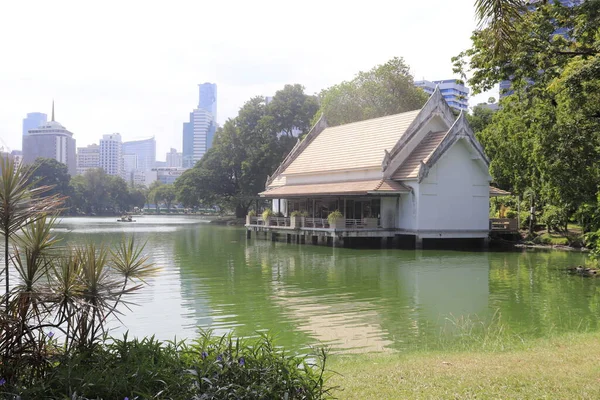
126	218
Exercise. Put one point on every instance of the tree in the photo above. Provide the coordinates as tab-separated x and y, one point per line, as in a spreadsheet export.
384	90
480	118
51	173
245	151
166	194
545	139
291	109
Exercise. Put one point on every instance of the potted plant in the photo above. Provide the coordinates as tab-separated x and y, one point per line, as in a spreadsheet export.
266	216
336	220
249	217
297	219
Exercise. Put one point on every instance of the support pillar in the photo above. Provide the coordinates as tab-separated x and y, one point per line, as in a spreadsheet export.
288	238
418	242
273	237
248	234
337	241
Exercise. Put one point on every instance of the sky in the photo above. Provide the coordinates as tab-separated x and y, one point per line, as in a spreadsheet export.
133	66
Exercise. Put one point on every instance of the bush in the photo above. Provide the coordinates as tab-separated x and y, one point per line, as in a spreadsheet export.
267	213
510	214
252	213
555	218
210	367
295	214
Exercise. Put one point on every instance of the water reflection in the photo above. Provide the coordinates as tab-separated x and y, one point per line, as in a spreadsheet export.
354	300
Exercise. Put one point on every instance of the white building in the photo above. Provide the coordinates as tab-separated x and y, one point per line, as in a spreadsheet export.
143	178
418	175
454	91
111	154
87	158
51	140
174	159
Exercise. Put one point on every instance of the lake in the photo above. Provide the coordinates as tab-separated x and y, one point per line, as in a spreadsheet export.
353	300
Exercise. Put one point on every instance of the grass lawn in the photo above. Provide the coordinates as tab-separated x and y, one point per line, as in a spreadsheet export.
564	367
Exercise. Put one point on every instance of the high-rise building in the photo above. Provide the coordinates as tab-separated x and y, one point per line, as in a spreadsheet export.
50	140
188	142
208	98
203	122
199	132
454	91
111	154
144	150
33	120
174	159
87	158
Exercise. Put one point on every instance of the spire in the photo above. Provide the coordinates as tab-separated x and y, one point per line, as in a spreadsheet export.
52	109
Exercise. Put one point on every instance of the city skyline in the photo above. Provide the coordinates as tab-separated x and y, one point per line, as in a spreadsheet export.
106	87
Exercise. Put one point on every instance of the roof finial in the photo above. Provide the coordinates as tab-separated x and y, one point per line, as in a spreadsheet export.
53	110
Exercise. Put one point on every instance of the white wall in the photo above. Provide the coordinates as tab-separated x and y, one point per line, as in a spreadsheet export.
407	215
389	212
455	194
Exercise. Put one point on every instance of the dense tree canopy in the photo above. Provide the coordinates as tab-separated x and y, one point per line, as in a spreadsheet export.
95	192
246	150
49	172
545	139
384	90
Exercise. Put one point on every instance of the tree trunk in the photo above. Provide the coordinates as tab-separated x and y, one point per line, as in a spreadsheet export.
241	211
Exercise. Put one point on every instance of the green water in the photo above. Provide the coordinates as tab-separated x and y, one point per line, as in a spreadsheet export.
354	300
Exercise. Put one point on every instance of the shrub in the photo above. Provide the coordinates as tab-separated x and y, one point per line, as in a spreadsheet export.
511	214
296	214
334	216
209	367
555	218
252	213
267	213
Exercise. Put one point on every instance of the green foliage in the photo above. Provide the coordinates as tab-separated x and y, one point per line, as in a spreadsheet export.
510	213
480	118
334	216
96	192
210	367
53	174
555	218
544	142
384	90
246	150
252	213
267	213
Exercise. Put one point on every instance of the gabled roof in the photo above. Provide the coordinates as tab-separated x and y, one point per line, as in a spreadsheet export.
410	167
357	145
367	187
434	145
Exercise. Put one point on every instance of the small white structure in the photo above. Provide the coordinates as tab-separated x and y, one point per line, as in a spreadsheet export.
421	173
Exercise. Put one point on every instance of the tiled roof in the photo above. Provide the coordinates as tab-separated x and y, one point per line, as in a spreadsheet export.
410	167
356	145
337	188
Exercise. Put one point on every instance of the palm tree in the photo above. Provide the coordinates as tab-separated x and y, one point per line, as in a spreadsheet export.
500	17
20	204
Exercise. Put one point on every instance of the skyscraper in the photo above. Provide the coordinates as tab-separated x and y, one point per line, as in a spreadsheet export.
144	150
87	158
203	121
208	98
188	142
111	154
33	120
50	140
198	133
